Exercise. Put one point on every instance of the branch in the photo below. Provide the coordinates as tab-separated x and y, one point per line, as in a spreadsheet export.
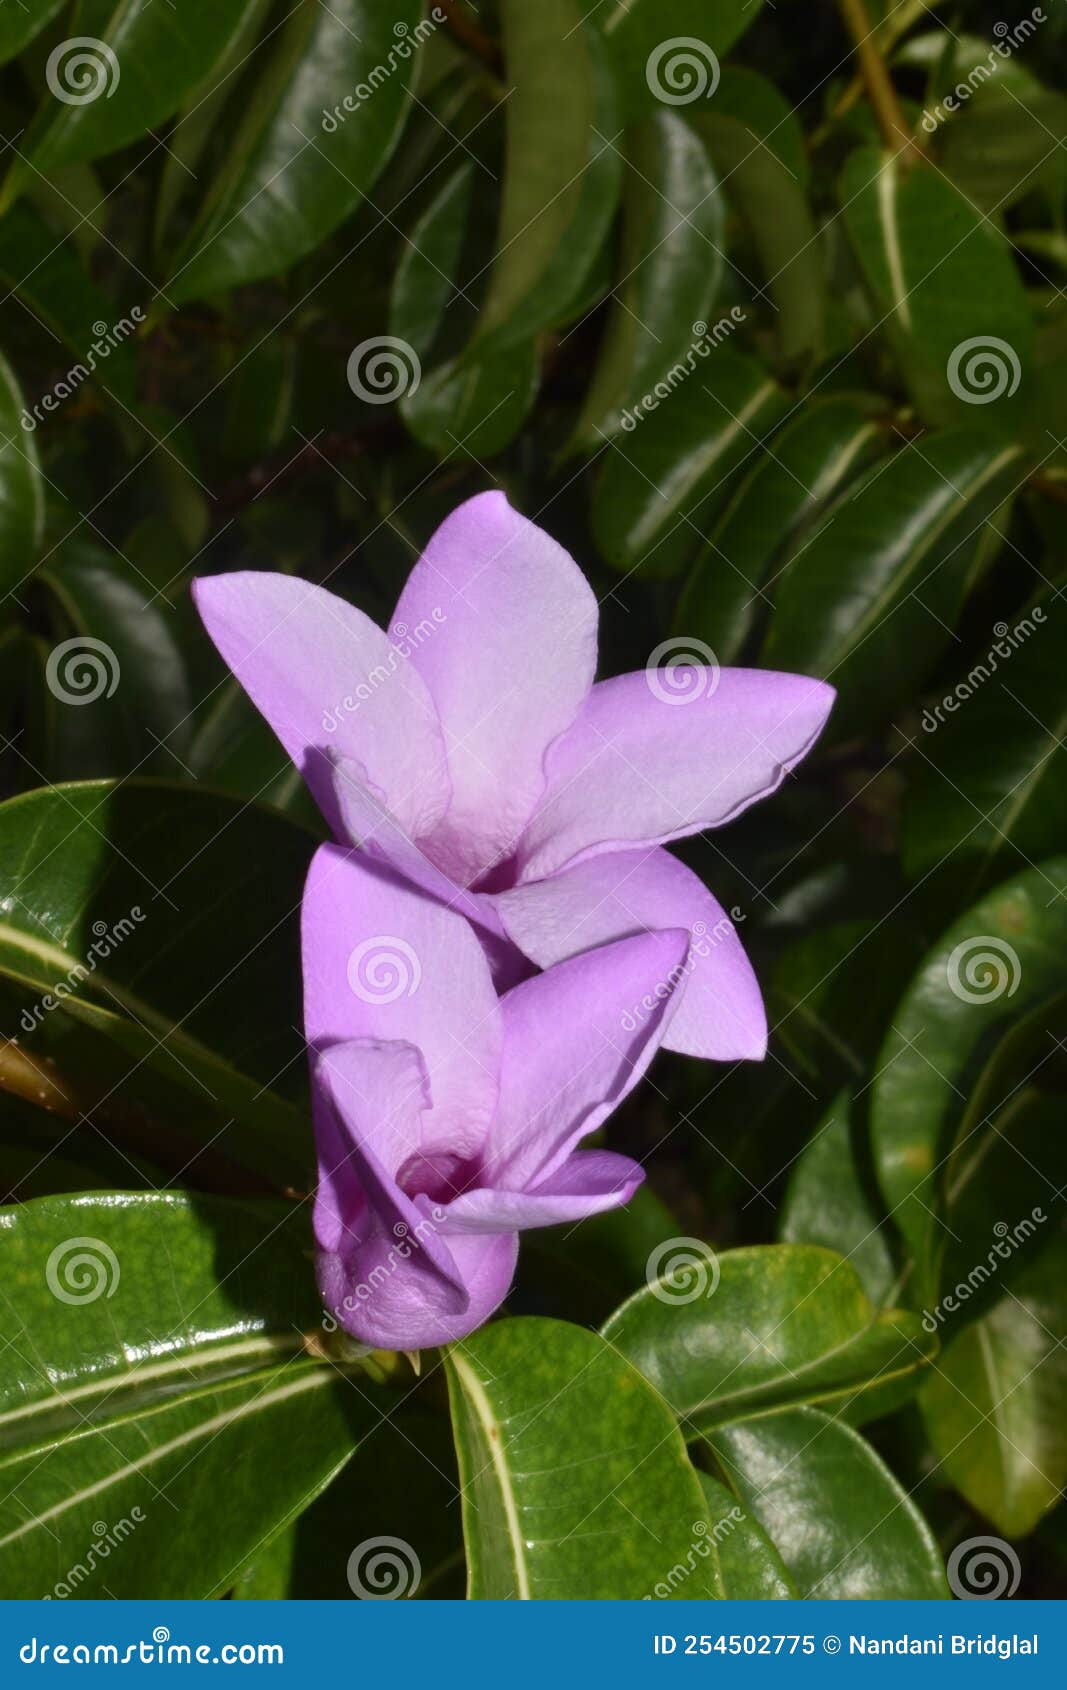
879	84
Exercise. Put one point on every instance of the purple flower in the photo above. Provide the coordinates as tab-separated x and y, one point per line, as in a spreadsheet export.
470	750
446	1118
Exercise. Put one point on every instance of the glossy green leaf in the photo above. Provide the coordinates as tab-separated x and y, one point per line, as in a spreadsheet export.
202	988
733	582
770	198
290	178
752	1569
840	1521
997	961
156	1365
561	1442
670	266
941	277
662	483
828	1202
653	64
989	791
871	601
996	141
993	1408
21	487
103	598
237	1458
125	1296
760	1328
474	404
193	127
129	66
550	141
454	395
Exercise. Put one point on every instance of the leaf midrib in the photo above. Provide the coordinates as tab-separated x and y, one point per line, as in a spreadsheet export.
487	1420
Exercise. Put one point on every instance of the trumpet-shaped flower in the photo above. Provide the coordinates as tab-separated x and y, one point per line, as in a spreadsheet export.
470	750
447	1120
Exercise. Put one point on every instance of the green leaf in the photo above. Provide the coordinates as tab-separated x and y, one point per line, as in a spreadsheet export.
669	272
1011	1149
827	1203
993	1408
759	1328
752	100
258	400
999	151
870	602
814	456
194	125
773	204
663	482
21	487
941	275
127	1296
19	25
829	1014
997	961
561	1442
990	789
203	988
652	64
840	1521
130	66
237	1459
752	1569
104	600
550	142
474	404
290	178
156	1365
475	399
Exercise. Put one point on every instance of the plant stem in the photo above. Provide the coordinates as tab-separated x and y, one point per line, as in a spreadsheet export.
879	84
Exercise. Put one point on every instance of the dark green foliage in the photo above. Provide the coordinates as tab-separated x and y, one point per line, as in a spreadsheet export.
792	396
